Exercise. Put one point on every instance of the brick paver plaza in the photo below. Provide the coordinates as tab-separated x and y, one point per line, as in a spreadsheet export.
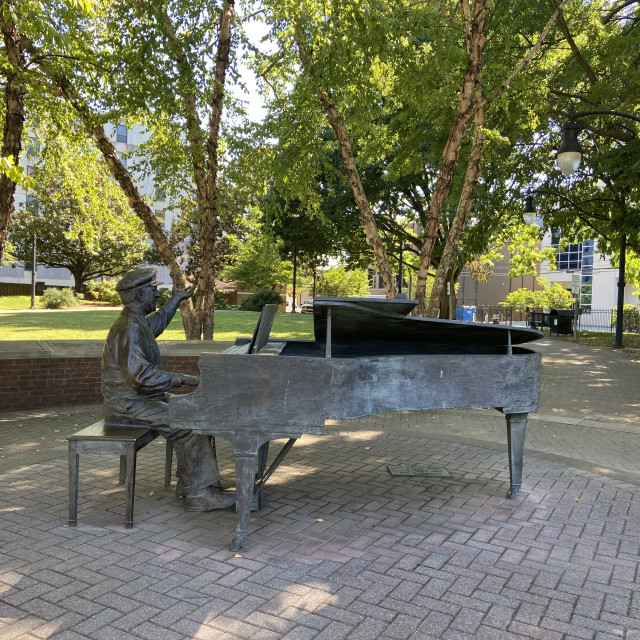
342	549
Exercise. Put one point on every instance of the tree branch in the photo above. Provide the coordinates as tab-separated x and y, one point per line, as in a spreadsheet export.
527	59
577	54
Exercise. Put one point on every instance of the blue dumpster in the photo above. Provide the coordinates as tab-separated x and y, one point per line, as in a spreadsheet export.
469	314
459	313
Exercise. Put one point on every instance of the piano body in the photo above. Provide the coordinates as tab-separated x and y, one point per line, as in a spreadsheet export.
368	357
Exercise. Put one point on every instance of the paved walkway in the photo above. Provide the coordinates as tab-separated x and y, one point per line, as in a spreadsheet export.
342	549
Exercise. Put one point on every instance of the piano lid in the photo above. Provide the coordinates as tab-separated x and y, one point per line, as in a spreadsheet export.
355	320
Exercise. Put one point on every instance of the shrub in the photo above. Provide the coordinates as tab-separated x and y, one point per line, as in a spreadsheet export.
165	296
103	291
342	283
219	300
257	300
552	295
58	298
630	318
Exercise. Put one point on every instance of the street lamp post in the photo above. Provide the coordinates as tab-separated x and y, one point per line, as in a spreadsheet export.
569	156
34	267
295	275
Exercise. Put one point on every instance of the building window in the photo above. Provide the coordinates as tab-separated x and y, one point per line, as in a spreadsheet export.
33	148
32	205
570	257
160	194
577	257
121	133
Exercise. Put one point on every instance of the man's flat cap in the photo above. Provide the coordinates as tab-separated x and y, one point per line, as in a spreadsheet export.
136	278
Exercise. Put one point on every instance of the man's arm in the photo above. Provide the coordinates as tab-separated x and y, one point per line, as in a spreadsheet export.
159	320
131	353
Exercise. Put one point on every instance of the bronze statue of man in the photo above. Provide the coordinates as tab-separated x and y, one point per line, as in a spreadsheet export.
135	386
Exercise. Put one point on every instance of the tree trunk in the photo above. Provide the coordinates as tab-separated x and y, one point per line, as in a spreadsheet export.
204	159
128	186
150	220
462	214
78	282
475	29
14	93
341	135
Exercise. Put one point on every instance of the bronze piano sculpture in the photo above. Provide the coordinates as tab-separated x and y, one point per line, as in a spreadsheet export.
368	357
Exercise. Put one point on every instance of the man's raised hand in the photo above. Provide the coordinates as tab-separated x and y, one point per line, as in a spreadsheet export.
183	294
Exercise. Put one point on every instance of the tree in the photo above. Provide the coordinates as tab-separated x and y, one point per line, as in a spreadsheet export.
597	74
342	282
552	295
37	18
166	88
257	263
367	63
80	217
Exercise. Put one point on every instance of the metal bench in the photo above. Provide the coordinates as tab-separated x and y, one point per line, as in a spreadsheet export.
122	441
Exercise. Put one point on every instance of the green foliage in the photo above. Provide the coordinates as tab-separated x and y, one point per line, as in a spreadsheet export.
220	300
104	291
256	261
80	216
58	298
552	295
15	172
523	243
165	296
630	318
257	300
342	282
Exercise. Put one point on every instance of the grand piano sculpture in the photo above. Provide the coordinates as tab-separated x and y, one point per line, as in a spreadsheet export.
368	357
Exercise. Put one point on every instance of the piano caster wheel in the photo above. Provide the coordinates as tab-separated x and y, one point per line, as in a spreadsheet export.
236	545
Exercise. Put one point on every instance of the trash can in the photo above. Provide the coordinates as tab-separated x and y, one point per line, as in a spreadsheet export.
469	314
561	322
459	313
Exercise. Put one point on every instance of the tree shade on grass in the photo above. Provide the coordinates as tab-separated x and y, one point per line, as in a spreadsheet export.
94	325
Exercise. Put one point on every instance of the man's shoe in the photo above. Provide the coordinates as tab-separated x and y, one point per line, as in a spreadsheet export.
210	498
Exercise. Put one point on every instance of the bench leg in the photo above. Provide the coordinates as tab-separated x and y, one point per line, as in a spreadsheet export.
168	459
74	463
123	469
130	482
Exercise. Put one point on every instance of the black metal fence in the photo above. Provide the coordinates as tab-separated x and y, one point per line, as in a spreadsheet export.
588	319
496	314
605	320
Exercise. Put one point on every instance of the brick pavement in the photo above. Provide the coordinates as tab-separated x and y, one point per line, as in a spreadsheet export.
342	549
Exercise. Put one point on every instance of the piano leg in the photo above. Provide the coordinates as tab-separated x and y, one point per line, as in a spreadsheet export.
516	429
245	475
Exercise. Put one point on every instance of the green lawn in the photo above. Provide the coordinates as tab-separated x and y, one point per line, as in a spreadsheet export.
18	302
94	324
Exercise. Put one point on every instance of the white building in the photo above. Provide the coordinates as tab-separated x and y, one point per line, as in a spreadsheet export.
598	278
126	141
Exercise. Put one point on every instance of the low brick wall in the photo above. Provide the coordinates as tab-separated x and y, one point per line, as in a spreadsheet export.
35	376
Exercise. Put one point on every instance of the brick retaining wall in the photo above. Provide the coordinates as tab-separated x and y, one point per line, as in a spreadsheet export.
56	380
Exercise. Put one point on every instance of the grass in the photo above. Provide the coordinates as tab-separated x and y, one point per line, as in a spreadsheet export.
606	339
8	303
94	324
20	303
600	338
